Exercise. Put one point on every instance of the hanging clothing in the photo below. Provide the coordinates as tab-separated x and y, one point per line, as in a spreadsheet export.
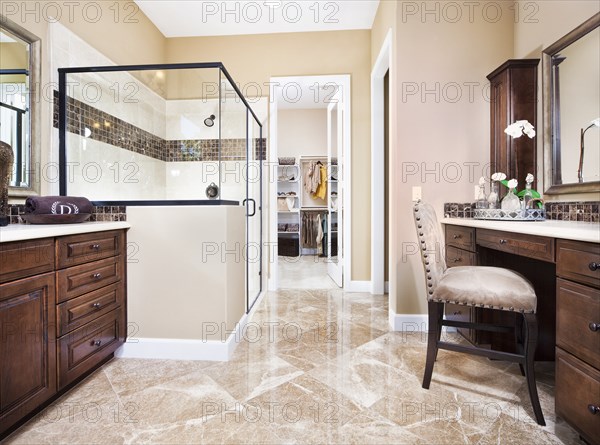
311	177
322	188
319	235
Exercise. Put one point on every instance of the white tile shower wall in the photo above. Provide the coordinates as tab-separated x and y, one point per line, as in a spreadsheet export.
102	172
185	119
119	93
188	180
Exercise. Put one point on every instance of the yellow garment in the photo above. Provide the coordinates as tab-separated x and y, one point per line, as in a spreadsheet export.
322	188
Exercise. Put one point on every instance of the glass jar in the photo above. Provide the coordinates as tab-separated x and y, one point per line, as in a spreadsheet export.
527	196
481	202
493	202
511	202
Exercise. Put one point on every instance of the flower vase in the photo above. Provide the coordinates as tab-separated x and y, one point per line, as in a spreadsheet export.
493	202
511	202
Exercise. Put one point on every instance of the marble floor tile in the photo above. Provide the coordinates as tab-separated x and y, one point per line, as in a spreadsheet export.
313	367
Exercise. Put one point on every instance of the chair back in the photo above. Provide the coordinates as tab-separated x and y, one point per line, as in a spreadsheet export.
431	245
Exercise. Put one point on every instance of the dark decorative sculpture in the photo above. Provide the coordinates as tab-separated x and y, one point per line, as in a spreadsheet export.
6	164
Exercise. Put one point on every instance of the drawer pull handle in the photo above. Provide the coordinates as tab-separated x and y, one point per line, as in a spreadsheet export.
456	313
96	305
594	266
594	327
96	342
503	241
457	236
594	409
455	260
97	276
95	246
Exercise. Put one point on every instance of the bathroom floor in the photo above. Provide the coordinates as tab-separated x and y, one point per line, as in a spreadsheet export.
304	272
314	366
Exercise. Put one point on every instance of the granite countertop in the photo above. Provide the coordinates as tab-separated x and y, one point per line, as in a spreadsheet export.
21	232
573	230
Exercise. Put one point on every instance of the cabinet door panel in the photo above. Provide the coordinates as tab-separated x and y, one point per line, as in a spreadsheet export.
28	347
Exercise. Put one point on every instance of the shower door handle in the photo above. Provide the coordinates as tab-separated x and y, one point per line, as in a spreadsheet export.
253	206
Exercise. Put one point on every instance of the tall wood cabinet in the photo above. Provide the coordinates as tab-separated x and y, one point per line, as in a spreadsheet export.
62	314
513	96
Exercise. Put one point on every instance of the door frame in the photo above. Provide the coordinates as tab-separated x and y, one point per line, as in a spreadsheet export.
382	65
276	83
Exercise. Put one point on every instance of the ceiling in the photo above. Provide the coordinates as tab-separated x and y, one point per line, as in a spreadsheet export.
192	18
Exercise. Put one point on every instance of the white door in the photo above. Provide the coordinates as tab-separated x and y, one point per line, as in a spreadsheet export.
335	191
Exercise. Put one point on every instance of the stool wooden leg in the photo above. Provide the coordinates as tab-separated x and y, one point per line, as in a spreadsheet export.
531	331
520	343
436	311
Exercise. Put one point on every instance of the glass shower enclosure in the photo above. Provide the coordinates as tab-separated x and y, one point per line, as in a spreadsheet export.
169	134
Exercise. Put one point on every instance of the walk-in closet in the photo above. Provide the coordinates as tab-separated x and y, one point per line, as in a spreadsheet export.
307	199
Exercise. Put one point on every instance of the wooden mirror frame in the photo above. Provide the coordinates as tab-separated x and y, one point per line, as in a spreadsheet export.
35	120
551	155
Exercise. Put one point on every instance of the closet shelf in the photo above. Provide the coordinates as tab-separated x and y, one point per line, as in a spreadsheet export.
288	211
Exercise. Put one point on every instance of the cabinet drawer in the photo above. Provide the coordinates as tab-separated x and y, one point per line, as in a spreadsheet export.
26	258
577	391
81	310
87	346
80	249
578	261
461	237
459	257
538	247
80	280
577	309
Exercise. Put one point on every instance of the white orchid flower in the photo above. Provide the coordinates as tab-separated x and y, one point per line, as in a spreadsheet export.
519	128
596	122
529	178
482	181
513	183
499	176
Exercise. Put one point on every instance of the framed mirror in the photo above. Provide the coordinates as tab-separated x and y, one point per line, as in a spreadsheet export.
19	104
571	92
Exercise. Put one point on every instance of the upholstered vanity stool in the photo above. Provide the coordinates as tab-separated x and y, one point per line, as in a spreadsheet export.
490	287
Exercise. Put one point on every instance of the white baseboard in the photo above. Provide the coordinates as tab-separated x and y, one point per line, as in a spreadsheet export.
412	323
408	322
184	349
358	286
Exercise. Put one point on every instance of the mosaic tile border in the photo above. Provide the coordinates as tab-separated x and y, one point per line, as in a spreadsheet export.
99	213
111	130
586	211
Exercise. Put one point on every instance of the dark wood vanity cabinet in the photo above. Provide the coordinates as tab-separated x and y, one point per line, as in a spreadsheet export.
62	313
460	251
578	337
513	96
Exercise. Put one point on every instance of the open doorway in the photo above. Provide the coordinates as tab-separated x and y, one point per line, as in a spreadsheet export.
309	152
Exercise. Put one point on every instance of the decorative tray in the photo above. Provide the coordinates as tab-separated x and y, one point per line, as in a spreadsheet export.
35	218
517	215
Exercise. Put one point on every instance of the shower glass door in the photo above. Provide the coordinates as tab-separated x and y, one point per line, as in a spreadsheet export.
255	157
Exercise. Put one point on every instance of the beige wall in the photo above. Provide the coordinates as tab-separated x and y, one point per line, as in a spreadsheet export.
551	21
302	133
441	121
253	59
